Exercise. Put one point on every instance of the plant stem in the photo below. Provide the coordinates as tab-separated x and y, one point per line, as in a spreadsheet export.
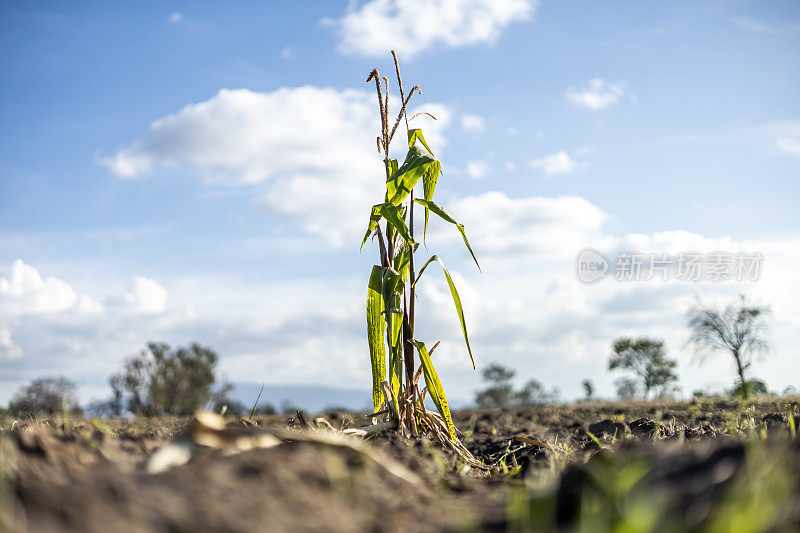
408	334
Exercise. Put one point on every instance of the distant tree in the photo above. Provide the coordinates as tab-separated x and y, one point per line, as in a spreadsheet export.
288	408
161	380
588	389
45	397
647	359
229	406
265	409
753	387
627	388
101	409
534	393
790	390
739	329
500	392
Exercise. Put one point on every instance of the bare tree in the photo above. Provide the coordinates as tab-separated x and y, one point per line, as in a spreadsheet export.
45	397
647	358
739	329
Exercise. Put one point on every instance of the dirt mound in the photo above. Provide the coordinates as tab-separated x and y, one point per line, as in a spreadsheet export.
72	481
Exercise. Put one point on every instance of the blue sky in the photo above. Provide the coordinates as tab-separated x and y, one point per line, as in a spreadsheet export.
126	215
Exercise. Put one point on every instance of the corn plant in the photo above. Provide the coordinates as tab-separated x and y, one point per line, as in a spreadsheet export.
391	295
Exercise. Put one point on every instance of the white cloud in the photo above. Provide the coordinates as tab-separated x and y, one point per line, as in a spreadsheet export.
599	94
511	130
175	17
412	26
527	310
26	291
530	311
557	163
472	123
146	296
789	146
313	147
8	350
510	166
477	169
287	52
501	227
248	137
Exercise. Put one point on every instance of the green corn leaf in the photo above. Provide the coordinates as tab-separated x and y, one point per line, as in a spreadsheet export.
374	219
435	387
394	216
392	287
376	329
456	299
438	210
403	259
396	372
429	180
416	134
418	161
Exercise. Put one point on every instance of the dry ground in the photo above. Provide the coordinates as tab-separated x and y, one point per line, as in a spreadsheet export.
716	465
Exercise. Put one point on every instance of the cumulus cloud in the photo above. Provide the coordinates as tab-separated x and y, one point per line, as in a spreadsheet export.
26	291
502	227
412	26
146	296
599	94
527	310
472	123
532	313
8	350
32	306
313	148
175	17
557	163
243	136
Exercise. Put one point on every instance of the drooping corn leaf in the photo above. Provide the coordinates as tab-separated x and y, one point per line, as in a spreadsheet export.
456	299
429	180
438	210
435	387
418	161
374	219
415	135
376	329
394	216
